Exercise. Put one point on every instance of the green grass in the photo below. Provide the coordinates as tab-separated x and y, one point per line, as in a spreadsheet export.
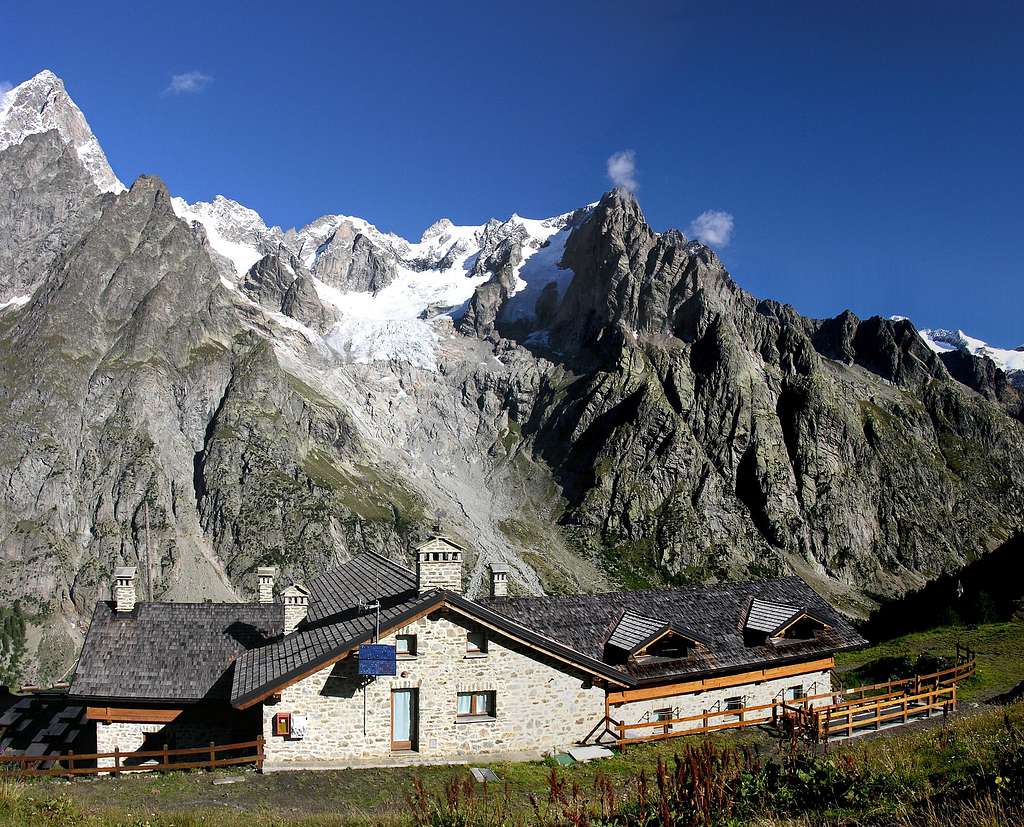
998	647
951	762
347	798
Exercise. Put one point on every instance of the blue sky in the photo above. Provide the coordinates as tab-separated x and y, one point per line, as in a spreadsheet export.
870	155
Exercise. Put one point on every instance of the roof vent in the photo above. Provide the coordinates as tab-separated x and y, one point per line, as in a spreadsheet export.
124	588
265	583
499	579
296	606
439	565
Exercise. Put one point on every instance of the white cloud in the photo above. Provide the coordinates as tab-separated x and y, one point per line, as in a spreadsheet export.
622	170
188	83
713	227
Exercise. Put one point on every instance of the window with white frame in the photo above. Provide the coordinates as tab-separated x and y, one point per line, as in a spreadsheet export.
476	705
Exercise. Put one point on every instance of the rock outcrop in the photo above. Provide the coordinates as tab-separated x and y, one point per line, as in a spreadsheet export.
174	395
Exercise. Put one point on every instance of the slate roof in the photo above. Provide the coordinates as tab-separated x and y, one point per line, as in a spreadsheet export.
41	724
177	652
716	613
765	616
633	629
335	621
185	652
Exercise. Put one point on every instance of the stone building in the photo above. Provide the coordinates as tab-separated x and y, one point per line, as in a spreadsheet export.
495	677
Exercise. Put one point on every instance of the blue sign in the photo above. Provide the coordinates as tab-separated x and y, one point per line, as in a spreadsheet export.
377	659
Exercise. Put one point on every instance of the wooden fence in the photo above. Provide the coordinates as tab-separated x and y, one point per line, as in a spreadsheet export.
842	712
845	719
117	762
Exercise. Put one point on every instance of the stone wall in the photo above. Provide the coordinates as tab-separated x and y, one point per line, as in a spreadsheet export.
541	705
713	700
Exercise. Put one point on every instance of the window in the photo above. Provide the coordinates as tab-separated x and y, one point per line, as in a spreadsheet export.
476	705
664	715
796	693
734	703
476	643
670	646
405	646
806	628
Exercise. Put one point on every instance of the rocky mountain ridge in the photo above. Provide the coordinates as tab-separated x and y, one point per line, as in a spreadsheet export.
588	400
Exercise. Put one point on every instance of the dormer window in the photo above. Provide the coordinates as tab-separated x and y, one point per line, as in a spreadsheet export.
769	622
803	628
640	638
670	646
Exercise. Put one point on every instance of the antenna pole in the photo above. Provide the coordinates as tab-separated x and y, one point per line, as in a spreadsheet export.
149	555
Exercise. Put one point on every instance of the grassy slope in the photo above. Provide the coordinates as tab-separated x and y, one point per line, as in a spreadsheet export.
999	648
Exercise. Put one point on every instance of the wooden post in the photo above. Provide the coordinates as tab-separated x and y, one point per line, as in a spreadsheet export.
259	753
117	761
166	759
954	697
71	760
704	720
213	756
904	709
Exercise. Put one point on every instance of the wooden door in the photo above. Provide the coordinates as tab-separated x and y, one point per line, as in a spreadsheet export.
404	715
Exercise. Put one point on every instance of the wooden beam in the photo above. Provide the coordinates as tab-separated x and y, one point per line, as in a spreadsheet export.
661	636
131	715
647	693
801	616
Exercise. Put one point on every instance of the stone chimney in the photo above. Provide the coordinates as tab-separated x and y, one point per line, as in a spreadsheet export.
439	565
265	583
499	580
296	606
124	588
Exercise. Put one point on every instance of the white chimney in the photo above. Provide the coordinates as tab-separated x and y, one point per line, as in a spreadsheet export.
124	588
296	606
265	583
439	565
499	579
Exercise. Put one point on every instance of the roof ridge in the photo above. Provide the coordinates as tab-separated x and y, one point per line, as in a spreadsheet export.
656	590
389	561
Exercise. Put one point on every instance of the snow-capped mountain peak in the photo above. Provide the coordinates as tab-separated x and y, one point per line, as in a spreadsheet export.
41	104
943	341
233	230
